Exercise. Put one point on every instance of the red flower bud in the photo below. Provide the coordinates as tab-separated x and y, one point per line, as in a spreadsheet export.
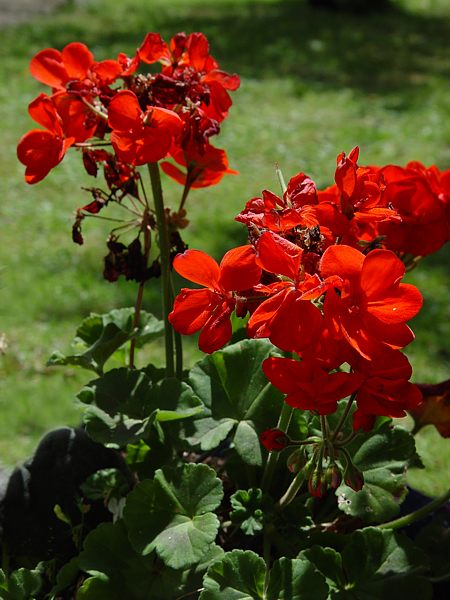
333	476
317	485
274	439
353	477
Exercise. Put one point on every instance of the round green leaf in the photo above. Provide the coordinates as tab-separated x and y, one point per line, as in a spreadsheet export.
296	579
374	564
172	514
383	457
124	404
239	575
99	336
234	389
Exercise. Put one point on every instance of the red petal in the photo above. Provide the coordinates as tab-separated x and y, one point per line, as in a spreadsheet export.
296	325
340	385
198	49
153	48
381	270
217	330
360	337
107	71
166	119
391	364
40	151
77	120
345	175
229	82
284	373
191	310
220	102
42	110
173	172
344	261
238	269
47	67
395	335
124	112
277	255
77	59
152	146
259	323
400	306
198	267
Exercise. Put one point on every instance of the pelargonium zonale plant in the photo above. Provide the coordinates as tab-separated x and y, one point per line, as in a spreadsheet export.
275	467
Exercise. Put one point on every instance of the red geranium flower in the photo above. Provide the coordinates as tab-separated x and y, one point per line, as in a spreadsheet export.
141	137
369	307
296	208
74	63
41	150
209	309
416	194
308	385
358	194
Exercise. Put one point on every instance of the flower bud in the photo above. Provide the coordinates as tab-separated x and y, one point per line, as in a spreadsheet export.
333	476
274	439
297	460
353	477
317	485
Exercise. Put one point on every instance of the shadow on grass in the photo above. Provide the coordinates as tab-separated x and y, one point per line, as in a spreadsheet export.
390	51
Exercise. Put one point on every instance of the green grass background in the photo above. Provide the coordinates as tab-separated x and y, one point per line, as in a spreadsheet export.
314	83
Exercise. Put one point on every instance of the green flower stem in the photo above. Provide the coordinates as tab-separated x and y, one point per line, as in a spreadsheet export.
163	236
140	294
417	514
292	491
283	425
177	338
281	179
324	427
178	355
343	417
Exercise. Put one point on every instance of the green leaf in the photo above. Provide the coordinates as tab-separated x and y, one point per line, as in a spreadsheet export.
118	572
246	442
249	508
99	336
296	579
236	393
374	564
172	514
175	400
124	405
239	575
383	457
23	584
66	577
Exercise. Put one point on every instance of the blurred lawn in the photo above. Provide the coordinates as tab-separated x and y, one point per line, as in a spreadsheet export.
314	83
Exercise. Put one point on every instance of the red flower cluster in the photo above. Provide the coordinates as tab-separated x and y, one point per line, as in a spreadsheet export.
322	278
146	118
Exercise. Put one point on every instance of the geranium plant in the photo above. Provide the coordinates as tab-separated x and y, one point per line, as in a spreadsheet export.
272	468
